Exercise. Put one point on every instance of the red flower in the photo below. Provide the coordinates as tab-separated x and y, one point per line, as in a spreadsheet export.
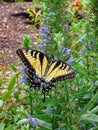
76	4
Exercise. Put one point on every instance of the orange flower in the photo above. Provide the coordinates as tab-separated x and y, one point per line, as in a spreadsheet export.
76	4
35	15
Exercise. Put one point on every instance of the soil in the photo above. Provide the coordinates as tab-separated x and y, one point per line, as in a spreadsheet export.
12	30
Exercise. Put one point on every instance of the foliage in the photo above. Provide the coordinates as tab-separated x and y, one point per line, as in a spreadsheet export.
35	15
72	104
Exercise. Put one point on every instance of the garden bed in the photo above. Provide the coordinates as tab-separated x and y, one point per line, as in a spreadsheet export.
12	29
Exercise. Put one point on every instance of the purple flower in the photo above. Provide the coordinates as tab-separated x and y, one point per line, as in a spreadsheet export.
65	51
34	121
75	34
46	36
81	41
94	124
45	41
70	60
23	77
82	61
23	69
44	29
41	46
81	52
67	27
46	19
49	8
56	58
83	126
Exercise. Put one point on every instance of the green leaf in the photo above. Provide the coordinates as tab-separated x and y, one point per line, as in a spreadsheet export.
2	126
89	104
12	83
27	41
96	83
1	103
23	121
6	95
36	1
94	110
13	67
89	118
10	127
45	124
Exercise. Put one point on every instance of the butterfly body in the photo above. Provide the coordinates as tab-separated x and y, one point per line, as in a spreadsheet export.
42	71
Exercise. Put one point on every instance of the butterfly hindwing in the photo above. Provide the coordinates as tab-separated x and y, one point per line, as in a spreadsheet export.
31	79
58	71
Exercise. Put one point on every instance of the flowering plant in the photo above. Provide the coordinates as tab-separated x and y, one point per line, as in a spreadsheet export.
71	105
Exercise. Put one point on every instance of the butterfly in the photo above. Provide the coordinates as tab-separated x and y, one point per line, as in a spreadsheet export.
43	71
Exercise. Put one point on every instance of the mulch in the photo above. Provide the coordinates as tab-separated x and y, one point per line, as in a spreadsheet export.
12	30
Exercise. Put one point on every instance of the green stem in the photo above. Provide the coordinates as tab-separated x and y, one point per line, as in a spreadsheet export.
31	104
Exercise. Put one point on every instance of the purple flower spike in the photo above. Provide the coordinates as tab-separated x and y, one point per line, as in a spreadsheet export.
46	36
23	77
94	124
41	46
49	8
81	41
34	121
46	19
45	41
81	52
82	61
82	126
70	60
23	68
56	58
65	51
67	27
44	29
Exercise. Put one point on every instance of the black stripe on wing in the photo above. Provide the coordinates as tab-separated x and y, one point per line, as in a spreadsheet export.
70	73
24	59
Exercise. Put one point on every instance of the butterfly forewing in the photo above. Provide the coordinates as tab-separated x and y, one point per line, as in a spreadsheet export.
43	63
36	59
33	58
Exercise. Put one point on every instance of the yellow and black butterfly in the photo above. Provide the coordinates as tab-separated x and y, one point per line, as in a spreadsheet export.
43	71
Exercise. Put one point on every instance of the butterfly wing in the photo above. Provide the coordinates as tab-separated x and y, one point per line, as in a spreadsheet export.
35	60
36	64
59	71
